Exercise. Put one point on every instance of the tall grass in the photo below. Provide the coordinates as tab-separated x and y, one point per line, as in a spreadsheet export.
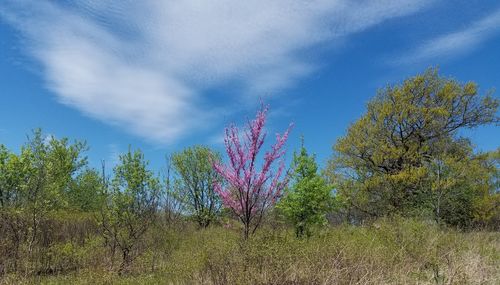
389	251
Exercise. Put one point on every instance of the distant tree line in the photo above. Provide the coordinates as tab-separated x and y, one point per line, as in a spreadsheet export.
407	155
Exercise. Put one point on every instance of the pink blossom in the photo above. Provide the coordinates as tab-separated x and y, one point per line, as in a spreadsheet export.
250	191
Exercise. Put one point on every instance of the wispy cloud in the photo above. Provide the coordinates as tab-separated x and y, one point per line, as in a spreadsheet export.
147	66
455	43
113	156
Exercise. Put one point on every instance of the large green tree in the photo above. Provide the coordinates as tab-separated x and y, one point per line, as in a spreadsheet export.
380	164
308	199
195	183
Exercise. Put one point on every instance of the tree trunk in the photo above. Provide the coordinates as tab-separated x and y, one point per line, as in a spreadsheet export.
125	261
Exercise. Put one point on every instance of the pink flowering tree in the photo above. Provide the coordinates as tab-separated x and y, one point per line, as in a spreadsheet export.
250	190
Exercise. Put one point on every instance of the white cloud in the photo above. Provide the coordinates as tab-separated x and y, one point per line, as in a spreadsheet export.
455	43
113	157
146	66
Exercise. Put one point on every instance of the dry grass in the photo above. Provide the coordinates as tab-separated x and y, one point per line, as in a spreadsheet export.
388	252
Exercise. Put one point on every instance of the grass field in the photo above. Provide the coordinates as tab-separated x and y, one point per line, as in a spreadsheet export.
399	251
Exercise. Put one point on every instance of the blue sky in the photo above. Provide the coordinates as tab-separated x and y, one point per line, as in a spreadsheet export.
163	75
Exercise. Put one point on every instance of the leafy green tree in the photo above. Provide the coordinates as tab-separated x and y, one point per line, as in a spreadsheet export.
380	164
195	183
308	200
34	184
4	161
130	207
172	200
454	185
85	194
13	179
13	225
487	206
63	162
49	169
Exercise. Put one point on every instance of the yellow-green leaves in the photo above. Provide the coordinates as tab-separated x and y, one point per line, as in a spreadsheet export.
386	153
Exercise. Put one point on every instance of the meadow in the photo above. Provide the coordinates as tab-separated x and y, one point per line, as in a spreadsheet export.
387	251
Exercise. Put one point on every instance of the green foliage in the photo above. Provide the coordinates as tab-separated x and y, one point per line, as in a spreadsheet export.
13	171
487	205
307	201
51	164
455	185
34	184
195	181
383	163
41	176
130	207
85	194
4	170
63	161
